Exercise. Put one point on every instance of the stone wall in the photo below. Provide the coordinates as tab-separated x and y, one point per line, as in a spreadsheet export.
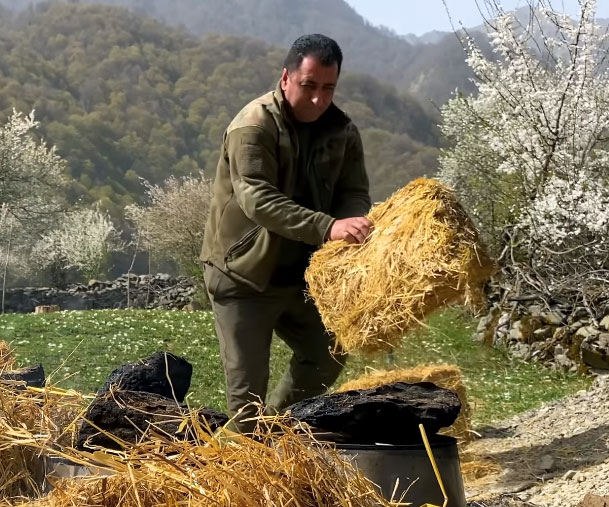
566	338
133	291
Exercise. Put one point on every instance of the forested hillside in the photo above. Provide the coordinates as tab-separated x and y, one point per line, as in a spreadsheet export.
430	71
124	97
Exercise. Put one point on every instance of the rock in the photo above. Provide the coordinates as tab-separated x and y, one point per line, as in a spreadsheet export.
128	415
516	333
504	320
605	322
603	340
591	500
553	318
569	475
559	350
47	309
491	316
500	339
542	333
483	323
486	327
562	333
546	462
32	376
573	327
563	361
522	329
579	477
587	332
106	294
521	351
389	413
595	353
151	376
578	313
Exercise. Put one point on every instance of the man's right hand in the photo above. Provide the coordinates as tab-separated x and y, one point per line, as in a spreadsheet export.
352	230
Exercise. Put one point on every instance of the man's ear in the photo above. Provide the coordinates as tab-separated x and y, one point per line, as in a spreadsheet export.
284	78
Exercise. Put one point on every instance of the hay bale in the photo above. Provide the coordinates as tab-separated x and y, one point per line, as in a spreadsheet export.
446	376
423	253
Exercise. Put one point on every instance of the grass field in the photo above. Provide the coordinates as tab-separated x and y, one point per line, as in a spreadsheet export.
80	349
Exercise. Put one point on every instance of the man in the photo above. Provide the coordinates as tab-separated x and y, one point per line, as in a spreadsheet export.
291	175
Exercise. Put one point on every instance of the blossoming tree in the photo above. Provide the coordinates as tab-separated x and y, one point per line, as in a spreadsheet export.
32	176
39	228
530	158
82	240
32	184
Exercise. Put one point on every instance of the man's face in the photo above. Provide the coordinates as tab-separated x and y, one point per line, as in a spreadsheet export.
310	88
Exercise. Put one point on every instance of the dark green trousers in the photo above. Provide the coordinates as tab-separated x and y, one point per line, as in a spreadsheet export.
245	320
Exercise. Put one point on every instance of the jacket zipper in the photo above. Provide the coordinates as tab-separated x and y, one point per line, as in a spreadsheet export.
238	246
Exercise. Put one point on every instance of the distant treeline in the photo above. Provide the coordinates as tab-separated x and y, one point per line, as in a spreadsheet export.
430	71
124	97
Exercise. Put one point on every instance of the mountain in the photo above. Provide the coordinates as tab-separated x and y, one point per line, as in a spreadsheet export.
431	66
432	37
125	97
426	70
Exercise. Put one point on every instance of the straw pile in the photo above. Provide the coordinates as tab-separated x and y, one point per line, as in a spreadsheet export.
31	418
423	253
443	375
7	359
273	469
478	471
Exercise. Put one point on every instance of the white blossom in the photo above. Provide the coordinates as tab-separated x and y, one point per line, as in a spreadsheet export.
32	190
31	174
530	149
82	241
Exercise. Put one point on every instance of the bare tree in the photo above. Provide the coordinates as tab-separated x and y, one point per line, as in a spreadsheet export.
172	223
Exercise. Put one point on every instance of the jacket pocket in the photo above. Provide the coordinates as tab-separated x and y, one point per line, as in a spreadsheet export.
243	244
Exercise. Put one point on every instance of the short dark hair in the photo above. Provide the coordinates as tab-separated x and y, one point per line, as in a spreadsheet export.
323	48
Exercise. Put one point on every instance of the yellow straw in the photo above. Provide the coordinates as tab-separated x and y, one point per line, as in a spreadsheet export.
435	467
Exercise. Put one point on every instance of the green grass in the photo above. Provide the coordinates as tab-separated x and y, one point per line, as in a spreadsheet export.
80	349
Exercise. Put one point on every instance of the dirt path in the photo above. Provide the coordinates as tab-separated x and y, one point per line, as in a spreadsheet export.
550	457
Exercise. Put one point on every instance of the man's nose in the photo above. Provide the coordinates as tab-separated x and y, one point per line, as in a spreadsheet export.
318	100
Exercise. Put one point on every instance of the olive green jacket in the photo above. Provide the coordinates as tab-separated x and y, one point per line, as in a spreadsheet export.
251	207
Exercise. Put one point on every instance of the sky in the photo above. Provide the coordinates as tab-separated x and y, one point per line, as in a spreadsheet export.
421	16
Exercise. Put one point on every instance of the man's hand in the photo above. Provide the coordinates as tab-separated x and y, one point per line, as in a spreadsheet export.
352	230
